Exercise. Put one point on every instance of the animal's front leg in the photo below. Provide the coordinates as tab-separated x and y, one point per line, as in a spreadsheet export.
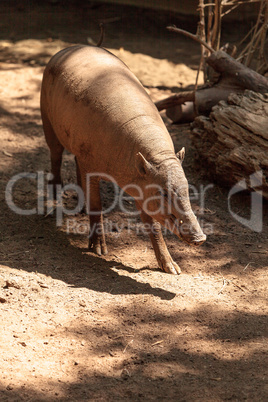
91	190
163	257
96	236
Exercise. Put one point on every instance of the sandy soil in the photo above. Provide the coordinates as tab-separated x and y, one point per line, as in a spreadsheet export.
79	327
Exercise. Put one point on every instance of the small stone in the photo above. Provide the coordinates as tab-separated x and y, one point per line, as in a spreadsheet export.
43	285
3	299
23	344
12	283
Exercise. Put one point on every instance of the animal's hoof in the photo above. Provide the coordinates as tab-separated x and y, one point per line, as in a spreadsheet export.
98	247
171	268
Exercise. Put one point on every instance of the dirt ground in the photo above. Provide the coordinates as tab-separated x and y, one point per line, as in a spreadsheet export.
78	327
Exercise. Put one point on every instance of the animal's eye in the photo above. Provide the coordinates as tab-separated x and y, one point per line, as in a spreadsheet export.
165	194
180	221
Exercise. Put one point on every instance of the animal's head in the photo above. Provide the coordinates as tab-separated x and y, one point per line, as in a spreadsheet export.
166	197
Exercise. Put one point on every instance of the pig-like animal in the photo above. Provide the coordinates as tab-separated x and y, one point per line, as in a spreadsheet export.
94	106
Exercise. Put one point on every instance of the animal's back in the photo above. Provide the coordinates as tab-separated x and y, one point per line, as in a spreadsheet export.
97	106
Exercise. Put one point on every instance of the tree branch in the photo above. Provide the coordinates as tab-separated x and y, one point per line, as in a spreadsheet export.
178	99
190	35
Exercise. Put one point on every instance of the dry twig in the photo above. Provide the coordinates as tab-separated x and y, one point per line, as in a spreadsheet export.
127	345
157	343
190	35
225	283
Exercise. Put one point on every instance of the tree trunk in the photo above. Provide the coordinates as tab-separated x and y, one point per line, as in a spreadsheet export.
233	140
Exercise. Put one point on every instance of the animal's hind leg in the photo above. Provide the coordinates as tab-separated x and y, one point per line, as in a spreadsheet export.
56	150
78	173
82	206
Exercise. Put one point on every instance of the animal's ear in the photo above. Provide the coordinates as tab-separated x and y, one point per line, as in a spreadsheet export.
180	155
142	165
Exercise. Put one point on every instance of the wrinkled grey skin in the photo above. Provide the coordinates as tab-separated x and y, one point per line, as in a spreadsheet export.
92	105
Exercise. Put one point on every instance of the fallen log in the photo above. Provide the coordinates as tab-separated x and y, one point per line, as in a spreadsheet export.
230	77
233	140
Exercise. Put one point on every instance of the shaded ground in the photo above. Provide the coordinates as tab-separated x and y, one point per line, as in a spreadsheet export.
78	327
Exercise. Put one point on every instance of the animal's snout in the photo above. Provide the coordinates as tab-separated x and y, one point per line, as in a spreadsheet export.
199	240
